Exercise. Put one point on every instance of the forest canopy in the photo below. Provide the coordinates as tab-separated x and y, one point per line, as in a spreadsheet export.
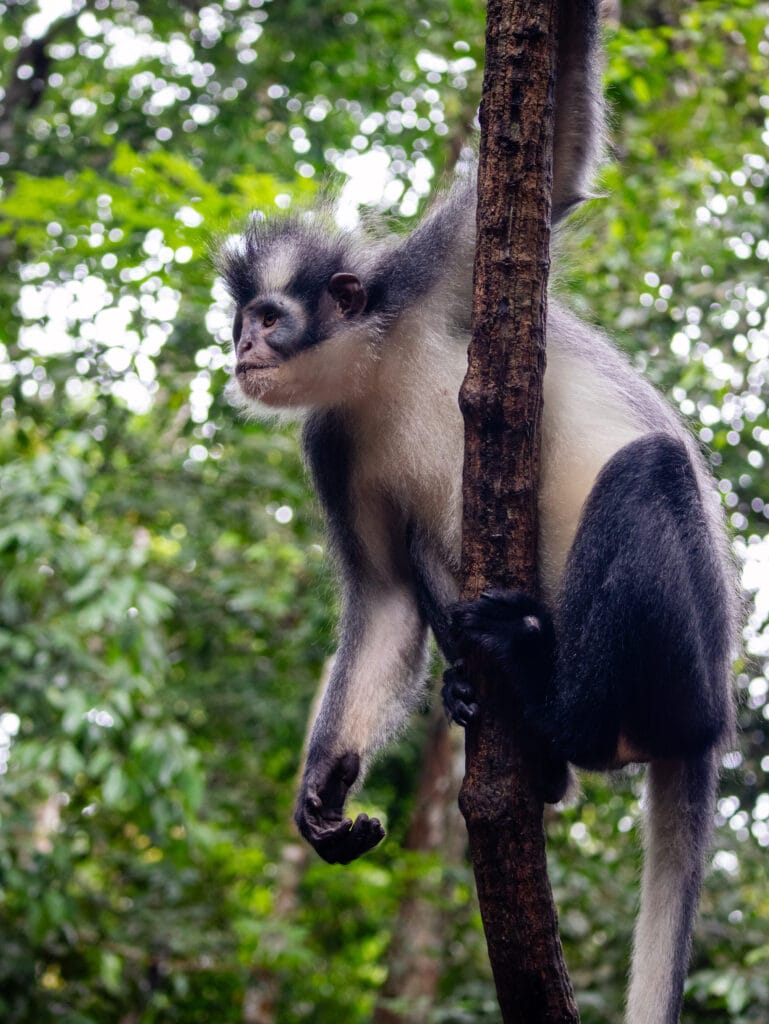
166	607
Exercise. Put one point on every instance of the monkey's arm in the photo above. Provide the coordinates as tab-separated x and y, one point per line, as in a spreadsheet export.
433	258
376	680
379	667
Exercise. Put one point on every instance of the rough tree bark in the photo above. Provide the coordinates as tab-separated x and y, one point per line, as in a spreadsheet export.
501	400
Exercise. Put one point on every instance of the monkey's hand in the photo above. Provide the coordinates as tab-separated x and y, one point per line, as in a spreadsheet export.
320	811
460	700
506	626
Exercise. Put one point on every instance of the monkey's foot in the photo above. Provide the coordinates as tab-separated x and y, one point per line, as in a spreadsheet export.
460	699
509	627
556	781
515	633
320	811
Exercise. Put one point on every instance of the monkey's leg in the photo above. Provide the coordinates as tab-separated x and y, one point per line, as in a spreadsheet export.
642	623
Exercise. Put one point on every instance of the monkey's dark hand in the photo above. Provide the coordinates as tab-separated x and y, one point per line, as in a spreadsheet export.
320	811
510	629
506	626
460	700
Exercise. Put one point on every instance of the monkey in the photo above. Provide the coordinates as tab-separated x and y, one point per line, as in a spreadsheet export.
626	656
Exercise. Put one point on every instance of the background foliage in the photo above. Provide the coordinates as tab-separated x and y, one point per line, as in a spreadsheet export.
165	609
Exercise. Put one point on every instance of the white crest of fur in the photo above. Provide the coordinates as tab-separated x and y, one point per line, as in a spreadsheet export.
277	271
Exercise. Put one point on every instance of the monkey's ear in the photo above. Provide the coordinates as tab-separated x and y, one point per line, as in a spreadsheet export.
348	294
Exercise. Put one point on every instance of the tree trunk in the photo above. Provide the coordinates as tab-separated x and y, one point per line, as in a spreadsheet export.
501	400
415	956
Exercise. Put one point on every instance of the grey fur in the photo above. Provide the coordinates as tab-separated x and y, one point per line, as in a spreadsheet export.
579	105
681	798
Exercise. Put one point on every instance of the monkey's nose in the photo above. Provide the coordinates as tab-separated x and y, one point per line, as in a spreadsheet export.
254	350
244	345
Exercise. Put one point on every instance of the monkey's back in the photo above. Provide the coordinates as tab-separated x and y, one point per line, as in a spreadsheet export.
409	433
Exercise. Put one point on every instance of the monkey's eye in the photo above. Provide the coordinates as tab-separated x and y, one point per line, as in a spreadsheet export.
269	317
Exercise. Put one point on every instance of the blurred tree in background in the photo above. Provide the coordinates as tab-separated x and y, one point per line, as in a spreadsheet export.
165	607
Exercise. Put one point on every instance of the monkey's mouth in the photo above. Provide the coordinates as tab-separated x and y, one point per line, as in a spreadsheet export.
256	379
243	369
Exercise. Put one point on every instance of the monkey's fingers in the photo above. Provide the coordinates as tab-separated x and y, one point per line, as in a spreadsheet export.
460	699
502	625
365	834
344	841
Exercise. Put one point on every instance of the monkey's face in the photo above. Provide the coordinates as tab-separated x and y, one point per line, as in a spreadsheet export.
266	333
290	353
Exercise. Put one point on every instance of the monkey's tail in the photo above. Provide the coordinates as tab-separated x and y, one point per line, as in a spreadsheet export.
681	796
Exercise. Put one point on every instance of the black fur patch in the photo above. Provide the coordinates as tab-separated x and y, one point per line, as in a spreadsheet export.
643	621
642	627
413	268
328	450
432	595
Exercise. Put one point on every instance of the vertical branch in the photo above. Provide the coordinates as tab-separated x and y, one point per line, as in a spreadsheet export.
501	400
